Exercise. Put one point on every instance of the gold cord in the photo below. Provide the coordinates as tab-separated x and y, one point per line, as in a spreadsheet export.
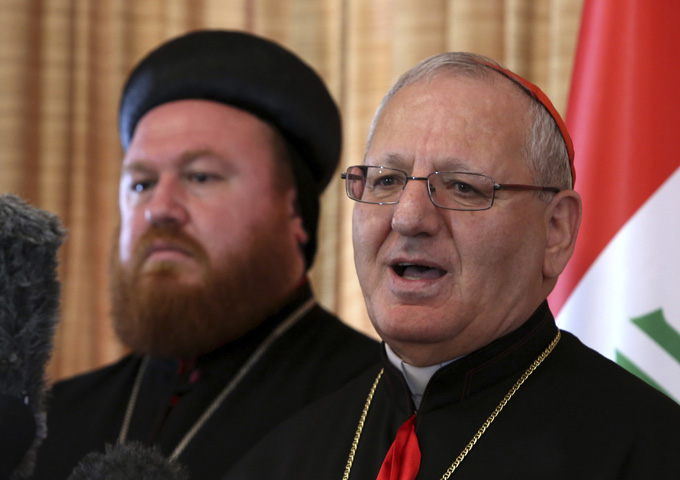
360	427
480	432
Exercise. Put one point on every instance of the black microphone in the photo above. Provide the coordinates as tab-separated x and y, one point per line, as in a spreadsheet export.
128	461
29	311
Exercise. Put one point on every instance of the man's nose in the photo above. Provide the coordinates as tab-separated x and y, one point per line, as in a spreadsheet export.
415	214
166	206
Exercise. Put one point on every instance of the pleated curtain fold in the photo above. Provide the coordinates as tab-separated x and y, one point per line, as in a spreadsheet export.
63	64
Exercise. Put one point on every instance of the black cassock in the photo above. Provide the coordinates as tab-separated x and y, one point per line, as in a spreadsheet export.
316	356
577	416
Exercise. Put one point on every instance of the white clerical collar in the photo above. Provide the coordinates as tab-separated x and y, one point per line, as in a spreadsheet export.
417	378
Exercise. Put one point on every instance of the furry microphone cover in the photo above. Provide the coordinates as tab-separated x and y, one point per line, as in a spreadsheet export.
129	461
29	310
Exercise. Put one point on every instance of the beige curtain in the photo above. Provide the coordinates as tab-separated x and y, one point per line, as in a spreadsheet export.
63	63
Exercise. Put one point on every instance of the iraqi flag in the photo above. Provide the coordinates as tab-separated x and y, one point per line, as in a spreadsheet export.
620	293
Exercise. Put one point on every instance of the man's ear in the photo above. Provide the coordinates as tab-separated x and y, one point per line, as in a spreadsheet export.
563	217
297	225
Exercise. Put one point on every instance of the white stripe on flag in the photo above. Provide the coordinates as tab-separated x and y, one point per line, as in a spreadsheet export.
635	275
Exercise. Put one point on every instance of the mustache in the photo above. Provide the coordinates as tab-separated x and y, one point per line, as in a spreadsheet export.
174	238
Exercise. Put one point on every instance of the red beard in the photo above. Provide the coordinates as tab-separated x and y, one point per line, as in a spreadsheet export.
155	313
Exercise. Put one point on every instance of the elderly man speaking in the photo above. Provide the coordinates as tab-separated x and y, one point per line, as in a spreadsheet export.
465	217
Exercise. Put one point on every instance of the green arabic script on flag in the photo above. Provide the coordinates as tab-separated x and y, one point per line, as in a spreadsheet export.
666	337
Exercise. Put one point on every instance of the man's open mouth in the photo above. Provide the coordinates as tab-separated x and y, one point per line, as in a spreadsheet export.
412	271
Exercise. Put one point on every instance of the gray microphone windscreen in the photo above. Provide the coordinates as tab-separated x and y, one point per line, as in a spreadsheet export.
29	310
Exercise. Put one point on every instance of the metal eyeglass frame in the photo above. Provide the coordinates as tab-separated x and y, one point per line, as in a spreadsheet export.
496	187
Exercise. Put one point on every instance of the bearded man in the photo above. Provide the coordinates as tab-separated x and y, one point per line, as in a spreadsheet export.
229	139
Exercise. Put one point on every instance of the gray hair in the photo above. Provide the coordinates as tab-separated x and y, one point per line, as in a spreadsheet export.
545	150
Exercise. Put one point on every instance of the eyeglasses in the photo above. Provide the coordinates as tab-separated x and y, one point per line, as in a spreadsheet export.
449	190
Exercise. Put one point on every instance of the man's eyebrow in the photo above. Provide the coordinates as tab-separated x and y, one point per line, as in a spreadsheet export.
191	155
143	166
392	160
136	166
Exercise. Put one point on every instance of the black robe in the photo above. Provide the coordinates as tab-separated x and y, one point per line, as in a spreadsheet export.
578	416
312	359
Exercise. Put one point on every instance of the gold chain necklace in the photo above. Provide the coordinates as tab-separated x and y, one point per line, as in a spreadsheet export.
475	438
226	391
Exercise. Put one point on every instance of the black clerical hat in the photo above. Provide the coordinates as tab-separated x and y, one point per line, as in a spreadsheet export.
255	75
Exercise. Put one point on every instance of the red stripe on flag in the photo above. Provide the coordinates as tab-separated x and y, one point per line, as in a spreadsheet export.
622	115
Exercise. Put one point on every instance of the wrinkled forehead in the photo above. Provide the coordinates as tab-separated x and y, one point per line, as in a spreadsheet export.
452	121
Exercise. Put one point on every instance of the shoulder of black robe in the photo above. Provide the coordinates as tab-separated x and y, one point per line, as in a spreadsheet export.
315	442
315	357
579	415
